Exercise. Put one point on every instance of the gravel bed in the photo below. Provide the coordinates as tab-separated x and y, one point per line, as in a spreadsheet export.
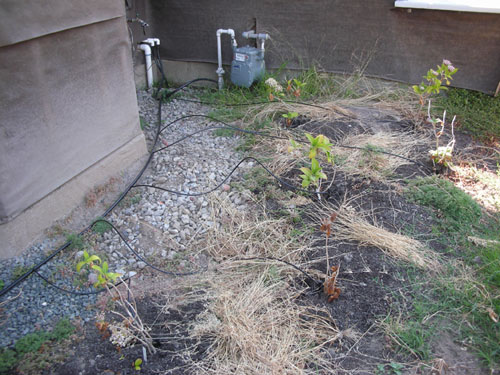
158	225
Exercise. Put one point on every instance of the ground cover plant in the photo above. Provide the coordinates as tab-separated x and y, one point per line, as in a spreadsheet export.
364	258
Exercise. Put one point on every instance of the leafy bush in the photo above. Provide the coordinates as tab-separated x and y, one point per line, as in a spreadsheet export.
456	207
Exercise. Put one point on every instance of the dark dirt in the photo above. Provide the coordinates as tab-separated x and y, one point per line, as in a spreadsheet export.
370	281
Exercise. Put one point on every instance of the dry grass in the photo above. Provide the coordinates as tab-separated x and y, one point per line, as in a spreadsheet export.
321	112
368	160
255	321
351	225
255	326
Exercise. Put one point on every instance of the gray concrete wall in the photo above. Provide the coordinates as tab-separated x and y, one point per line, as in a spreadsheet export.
67	103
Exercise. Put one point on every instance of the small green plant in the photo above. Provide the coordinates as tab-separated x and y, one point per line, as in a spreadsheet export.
76	241
2	284
314	174
18	271
144	124
295	86
8	360
104	276
435	79
390	369
101	227
289	117
137	364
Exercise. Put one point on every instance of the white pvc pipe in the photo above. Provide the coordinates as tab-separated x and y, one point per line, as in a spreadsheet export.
149	67
220	69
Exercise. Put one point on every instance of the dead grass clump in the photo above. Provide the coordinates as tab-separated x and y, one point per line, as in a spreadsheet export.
328	111
243	234
255	321
369	160
255	326
351	225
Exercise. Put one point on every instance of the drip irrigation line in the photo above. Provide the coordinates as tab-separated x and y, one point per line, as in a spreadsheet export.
44	261
123	280
55	286
253	103
316	282
142	258
282	182
227	126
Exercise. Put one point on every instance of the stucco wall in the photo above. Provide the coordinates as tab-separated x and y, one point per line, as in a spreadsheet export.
67	95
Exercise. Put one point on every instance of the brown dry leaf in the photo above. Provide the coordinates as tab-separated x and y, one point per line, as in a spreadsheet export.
330	288
326	227
493	315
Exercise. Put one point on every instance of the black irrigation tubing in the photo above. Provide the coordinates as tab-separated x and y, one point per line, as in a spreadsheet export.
284	183
74	292
227	126
253	103
44	261
316	282
144	260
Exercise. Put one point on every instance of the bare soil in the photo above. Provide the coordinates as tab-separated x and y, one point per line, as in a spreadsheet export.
370	281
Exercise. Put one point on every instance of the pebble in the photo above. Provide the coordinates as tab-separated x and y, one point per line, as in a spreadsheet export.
193	167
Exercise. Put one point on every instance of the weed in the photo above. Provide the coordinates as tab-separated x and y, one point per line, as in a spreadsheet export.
76	242
457	208
29	350
289	117
101	227
8	359
18	271
390	369
2	284
143	123
224	132
137	364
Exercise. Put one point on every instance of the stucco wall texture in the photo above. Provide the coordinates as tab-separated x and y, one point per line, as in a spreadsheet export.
337	35
67	96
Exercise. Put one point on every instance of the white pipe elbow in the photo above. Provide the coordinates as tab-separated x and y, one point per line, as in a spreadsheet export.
149	66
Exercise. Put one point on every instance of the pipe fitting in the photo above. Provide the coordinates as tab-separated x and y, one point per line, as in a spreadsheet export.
220	70
144	46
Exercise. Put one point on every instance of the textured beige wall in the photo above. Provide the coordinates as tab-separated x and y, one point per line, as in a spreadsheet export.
67	95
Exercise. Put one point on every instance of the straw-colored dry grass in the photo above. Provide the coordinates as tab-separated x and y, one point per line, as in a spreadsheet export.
255	321
328	111
255	326
369	160
352	225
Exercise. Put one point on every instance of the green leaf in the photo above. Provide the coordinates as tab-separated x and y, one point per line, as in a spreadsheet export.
309	137
312	152
80	265
306	171
97	268
322	175
105	267
94	258
315	166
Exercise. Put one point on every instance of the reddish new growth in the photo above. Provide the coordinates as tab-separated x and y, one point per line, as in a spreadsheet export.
329	286
326	224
